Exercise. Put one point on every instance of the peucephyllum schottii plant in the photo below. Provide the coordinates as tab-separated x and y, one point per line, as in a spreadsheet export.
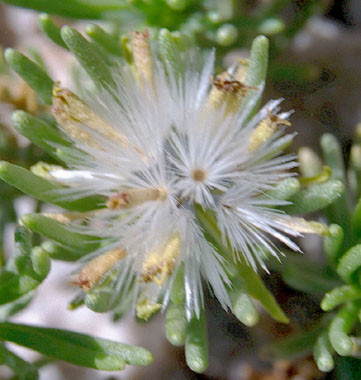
171	178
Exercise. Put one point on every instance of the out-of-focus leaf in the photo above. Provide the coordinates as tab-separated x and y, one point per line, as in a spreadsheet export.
60	232
315	197
79	9
75	348
23	369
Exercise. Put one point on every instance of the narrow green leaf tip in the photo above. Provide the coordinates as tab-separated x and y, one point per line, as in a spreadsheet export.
32	73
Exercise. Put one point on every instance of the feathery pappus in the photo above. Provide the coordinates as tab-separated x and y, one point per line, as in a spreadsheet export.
161	145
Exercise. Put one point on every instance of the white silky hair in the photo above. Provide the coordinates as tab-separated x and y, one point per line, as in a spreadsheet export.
170	135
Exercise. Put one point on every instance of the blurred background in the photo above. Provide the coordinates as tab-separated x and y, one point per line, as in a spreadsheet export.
315	67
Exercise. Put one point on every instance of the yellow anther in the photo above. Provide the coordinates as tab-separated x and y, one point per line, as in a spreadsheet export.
95	270
142	56
70	112
135	197
159	265
227	89
265	130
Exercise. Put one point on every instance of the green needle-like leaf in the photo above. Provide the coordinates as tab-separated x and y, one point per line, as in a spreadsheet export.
58	252
169	51
176	324
88	57
340	327
332	243
349	263
333	156
39	132
178	293
285	189
47	25
196	345
60	232
258	62
322	352
242	306
315	197
33	74
258	290
256	75
104	39
340	295
43	189
75	348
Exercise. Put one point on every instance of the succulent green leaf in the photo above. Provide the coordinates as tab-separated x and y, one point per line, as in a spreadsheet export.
13	286
256	74
340	295
169	51
340	327
43	189
242	306
258	62
315	197
60	232
178	293
322	352
88	57
332	243
47	25
33	74
104	39
333	156
58	252
40	262
196	344
20	262
75	348
285	189
176	324
340	209
349	263
258	291
23	369
39	132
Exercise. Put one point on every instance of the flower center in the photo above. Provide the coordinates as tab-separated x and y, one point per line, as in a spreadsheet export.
199	175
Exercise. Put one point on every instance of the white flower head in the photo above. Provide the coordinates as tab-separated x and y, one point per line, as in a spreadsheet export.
157	147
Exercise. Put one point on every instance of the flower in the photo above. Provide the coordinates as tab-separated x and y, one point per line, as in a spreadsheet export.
159	146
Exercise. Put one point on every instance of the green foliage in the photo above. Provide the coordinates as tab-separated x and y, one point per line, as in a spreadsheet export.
90	352
342	249
227	23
